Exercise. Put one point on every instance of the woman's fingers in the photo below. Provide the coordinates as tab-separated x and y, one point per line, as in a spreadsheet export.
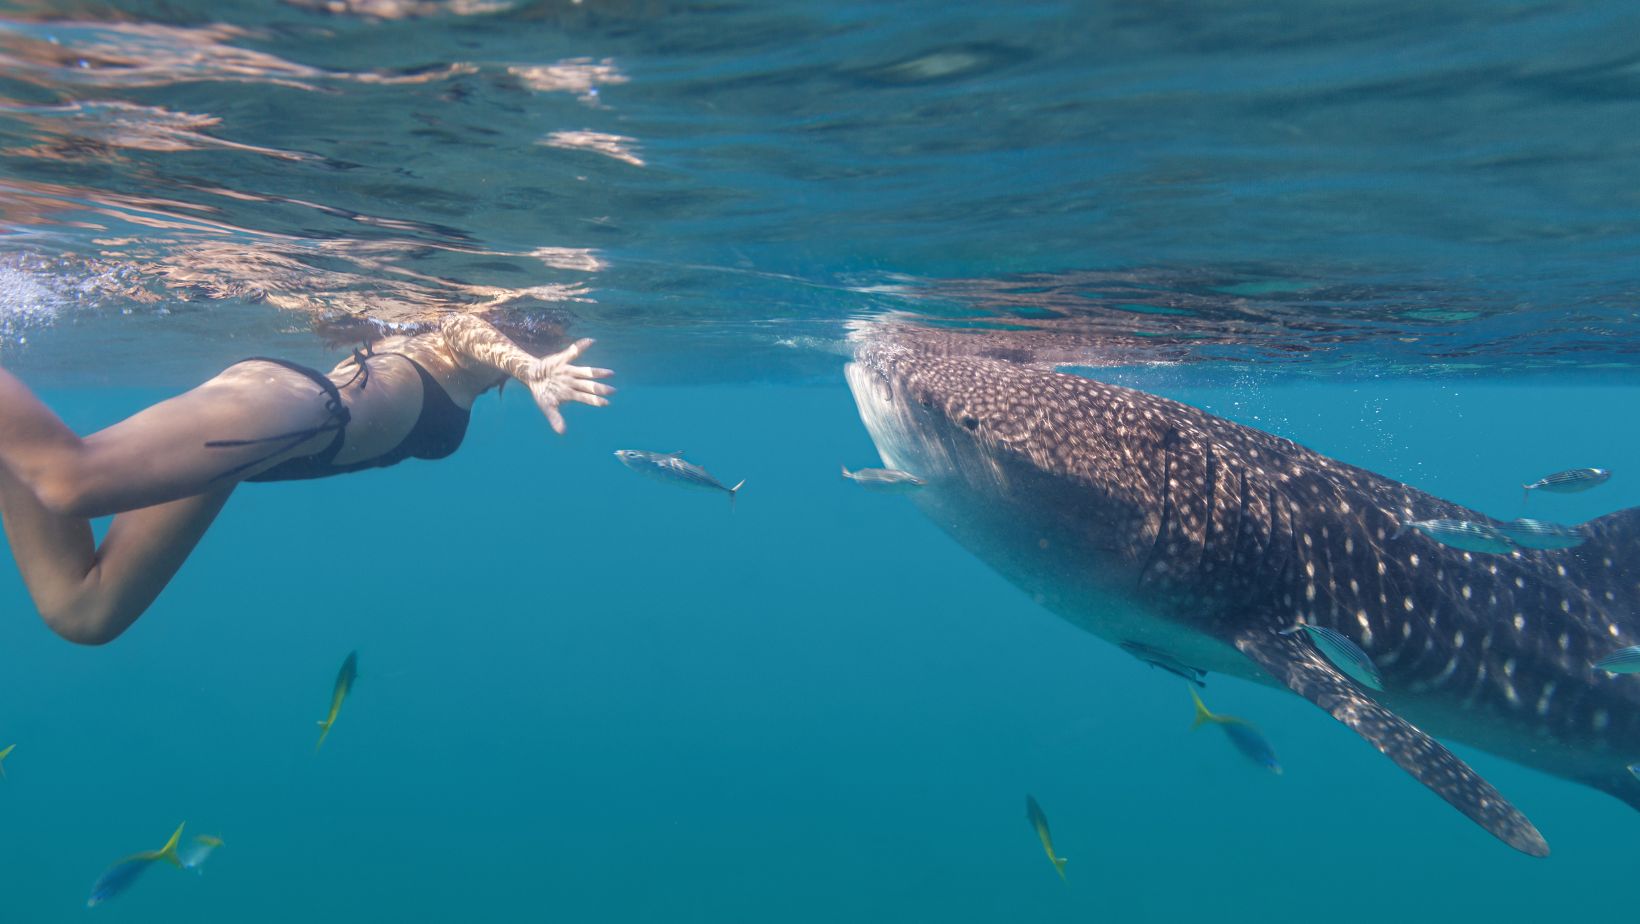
592	388
574	349
555	419
555	380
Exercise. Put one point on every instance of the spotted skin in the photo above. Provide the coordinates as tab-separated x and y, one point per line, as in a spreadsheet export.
1147	521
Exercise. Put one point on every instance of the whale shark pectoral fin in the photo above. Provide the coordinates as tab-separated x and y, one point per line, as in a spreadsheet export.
1417	753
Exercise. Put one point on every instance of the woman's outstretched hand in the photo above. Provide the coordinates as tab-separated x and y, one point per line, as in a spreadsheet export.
552	380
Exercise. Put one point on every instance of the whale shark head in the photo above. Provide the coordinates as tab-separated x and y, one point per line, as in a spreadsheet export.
1052	479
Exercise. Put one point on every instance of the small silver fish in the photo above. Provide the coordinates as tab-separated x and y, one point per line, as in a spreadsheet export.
1156	657
199	851
1621	661
1541	535
1343	653
670	466
884	480
1570	481
1461	534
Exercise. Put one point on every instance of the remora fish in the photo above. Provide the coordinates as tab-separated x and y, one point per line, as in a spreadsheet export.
121	875
344	685
670	466
1039	824
1570	481
1155	657
1137	517
885	480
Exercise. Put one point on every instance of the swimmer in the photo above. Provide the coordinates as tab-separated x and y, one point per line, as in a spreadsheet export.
165	472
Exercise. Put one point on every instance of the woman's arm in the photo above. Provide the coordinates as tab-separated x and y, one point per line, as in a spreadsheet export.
477	346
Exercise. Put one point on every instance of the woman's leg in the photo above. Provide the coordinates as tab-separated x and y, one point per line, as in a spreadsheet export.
160	454
88	594
153	470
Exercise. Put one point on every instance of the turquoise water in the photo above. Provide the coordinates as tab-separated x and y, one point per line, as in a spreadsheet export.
1404	235
604	699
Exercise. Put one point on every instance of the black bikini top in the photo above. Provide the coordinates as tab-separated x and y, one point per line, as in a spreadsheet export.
438	430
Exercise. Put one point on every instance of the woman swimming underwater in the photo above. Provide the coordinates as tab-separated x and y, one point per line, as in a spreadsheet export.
165	472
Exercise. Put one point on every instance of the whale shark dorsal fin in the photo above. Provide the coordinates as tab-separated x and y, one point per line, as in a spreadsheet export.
1430	763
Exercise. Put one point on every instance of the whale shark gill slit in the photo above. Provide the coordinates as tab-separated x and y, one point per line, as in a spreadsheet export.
1399	740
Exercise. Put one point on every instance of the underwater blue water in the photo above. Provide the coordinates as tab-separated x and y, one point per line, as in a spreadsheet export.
1405	234
588	696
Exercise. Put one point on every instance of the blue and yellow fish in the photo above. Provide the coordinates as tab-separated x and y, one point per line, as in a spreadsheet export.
1242	733
1039	823
121	875
344	683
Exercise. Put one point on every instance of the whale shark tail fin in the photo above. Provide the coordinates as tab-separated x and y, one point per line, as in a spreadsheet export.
1284	658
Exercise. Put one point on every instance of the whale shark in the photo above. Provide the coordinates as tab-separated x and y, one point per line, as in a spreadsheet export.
1162	528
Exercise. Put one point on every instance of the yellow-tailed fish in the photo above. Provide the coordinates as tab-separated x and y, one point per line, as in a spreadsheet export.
1242	733
344	683
3	755
199	851
121	875
1039	823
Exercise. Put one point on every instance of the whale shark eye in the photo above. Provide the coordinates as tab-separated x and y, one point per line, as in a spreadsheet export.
970	423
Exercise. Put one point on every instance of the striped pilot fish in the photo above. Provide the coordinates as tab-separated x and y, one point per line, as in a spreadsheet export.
1570	481
1542	536
1466	535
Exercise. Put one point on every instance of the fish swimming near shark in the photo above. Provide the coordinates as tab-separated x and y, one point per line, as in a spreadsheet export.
673	467
884	480
1144	520
345	678
1039	824
1158	658
122	875
1571	481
